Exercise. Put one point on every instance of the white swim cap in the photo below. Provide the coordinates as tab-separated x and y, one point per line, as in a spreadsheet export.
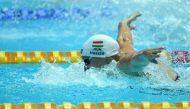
100	46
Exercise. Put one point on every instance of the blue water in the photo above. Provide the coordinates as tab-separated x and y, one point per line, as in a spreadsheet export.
163	24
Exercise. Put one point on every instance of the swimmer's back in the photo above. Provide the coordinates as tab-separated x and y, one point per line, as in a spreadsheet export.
135	66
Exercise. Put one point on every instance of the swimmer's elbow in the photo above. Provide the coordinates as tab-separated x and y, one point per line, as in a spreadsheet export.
124	60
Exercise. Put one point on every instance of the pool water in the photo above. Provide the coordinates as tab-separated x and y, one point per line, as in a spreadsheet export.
164	23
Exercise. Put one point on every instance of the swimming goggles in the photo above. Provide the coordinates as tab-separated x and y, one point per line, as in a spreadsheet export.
87	62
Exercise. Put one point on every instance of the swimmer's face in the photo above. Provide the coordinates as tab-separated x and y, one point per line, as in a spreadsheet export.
96	62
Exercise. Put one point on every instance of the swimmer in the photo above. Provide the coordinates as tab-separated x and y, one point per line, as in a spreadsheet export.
100	50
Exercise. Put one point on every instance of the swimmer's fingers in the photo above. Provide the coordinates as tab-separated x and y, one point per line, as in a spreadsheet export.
148	51
153	56
137	14
152	51
132	28
157	50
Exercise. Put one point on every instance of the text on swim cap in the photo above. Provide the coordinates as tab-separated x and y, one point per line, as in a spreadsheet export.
96	53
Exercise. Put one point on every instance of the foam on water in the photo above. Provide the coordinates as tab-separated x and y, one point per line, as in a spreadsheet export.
109	76
75	75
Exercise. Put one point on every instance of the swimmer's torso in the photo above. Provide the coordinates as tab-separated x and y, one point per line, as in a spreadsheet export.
133	67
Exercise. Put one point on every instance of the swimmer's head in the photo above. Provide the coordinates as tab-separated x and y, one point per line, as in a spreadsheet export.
99	50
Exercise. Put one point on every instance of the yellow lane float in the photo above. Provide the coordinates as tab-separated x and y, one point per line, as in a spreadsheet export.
73	56
86	105
183	105
4	57
55	56
66	105
101	105
27	106
148	105
166	105
46	105
7	106
37	56
126	105
106	105
19	57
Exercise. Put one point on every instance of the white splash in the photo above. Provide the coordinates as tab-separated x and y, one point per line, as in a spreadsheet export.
75	75
108	76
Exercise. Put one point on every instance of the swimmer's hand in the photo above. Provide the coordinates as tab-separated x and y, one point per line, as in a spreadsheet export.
136	14
152	53
132	27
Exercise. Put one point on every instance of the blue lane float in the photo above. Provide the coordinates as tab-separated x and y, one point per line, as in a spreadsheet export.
41	13
105	11
83	13
7	13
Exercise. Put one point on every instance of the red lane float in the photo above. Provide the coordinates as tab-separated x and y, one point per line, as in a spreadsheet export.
180	56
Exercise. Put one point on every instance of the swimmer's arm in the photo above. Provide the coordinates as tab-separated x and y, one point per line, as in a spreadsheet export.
151	55
141	58
169	71
146	56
